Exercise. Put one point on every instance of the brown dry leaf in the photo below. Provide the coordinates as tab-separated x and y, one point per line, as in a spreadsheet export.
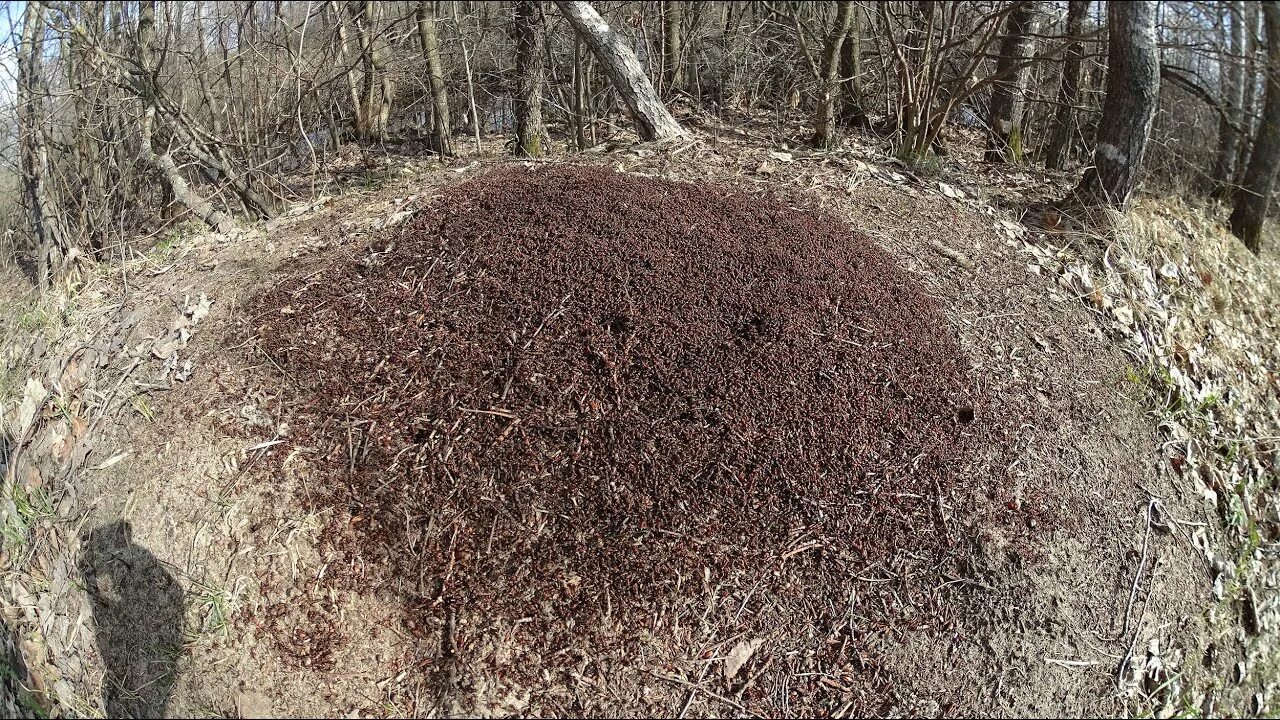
739	656
79	426
765	168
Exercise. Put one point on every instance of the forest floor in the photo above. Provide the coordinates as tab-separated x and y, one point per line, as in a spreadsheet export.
156	561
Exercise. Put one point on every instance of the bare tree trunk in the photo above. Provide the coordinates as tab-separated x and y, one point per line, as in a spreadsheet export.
529	71
824	122
852	112
1008	98
653	120
51	240
1252	28
441	135
1133	88
1254	195
673	45
1064	126
344	52
376	87
1224	168
580	105
163	163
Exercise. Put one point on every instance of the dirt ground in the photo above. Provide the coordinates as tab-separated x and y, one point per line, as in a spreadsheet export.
177	573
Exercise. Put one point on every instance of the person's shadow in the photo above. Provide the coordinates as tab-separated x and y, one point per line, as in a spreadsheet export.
138	615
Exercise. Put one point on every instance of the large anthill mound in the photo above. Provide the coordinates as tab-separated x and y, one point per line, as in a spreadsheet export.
563	392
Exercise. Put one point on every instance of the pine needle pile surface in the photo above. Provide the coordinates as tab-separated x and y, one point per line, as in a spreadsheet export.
565	392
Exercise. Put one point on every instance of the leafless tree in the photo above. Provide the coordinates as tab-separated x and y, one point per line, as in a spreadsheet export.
441	131
829	77
529	71
673	44
51	242
1064	126
1008	103
130	116
653	120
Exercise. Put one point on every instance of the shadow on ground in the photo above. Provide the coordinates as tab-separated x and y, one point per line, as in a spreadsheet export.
138	616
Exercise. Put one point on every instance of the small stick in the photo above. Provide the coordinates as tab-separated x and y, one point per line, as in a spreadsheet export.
952	255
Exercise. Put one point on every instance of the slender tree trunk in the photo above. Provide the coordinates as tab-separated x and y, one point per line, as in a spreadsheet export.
51	241
376	86
163	163
580	105
852	113
529	71
1224	168
344	53
673	45
824	122
1008	98
1254	195
1133	88
913	107
441	131
1253	26
653	120
1064	126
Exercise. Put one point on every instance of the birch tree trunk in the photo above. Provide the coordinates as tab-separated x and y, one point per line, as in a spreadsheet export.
1008	99
529	71
1064	126
441	131
1133	88
1254	195
653	120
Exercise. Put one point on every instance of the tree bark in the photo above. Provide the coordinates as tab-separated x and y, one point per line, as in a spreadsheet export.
376	87
653	120
1008	98
51	242
824	122
529	71
1252	28
581	108
852	112
441	135
1254	194
1064	126
1133	88
672	45
344	52
1224	168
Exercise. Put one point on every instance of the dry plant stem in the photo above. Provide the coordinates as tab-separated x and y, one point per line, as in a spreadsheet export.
1133	594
